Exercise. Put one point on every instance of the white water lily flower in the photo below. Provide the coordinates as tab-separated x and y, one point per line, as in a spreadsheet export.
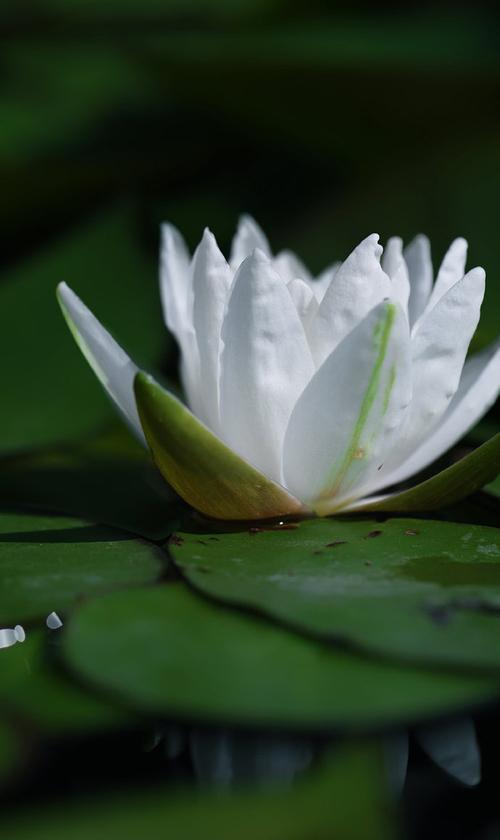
307	394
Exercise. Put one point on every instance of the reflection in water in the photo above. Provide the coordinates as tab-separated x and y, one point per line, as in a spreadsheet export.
224	758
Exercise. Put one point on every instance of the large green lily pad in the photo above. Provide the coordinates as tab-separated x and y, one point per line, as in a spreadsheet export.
345	798
36	689
165	650
50	563
415	589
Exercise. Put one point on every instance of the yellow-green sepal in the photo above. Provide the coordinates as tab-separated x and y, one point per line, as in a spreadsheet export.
203	470
445	488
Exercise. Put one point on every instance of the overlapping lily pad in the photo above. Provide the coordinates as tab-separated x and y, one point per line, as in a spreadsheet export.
50	563
415	589
168	651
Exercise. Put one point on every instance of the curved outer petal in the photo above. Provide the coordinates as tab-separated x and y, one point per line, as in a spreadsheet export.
479	388
266	363
211	283
349	411
206	473
419	263
248	237
395	267
451	270
176	290
454	748
439	347
175	285
358	286
114	369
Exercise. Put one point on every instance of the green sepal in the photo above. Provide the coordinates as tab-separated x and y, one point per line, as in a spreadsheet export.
445	488
203	470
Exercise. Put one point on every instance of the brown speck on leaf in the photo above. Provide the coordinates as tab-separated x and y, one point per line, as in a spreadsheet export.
439	614
411	532
359	453
335	543
373	534
175	539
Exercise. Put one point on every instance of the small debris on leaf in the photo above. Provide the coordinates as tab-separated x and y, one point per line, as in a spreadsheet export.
411	532
373	534
335	543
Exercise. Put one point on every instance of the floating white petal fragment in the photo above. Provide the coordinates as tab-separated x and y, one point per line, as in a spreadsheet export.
7	637
19	633
53	621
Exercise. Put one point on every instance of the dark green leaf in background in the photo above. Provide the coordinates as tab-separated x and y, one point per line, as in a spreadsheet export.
48	393
108	478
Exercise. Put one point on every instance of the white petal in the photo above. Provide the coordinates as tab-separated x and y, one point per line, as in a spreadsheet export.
349	410
175	284
7	637
114	369
53	621
454	748
248	237
439	347
290	267
304	300
176	288
266	363
358	286
394	265
478	390
452	269
321	283
418	260
211	283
